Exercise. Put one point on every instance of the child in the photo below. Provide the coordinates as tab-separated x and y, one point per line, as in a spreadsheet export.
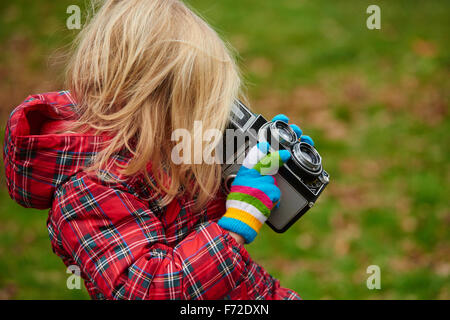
137	225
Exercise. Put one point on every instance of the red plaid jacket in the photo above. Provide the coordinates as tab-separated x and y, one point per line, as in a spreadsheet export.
126	246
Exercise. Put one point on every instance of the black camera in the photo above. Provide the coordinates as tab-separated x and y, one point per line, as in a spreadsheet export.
301	180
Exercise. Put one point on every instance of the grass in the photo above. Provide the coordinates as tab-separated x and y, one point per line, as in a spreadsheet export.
375	102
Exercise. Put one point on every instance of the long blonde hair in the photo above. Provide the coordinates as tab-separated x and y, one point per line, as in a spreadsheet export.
144	68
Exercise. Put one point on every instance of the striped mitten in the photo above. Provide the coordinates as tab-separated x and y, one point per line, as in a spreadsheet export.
254	192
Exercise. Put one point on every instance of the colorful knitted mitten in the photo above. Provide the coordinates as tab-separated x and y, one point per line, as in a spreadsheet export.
254	192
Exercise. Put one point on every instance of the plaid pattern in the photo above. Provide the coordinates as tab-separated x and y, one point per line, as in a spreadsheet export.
126	246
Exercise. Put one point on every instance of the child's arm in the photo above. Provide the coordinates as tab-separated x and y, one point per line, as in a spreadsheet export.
121	249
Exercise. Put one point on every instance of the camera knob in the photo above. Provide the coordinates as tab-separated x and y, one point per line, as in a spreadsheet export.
324	178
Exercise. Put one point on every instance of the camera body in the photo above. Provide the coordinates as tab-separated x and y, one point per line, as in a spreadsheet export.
301	179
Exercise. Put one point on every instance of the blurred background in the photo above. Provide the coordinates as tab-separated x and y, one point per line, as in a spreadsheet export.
375	101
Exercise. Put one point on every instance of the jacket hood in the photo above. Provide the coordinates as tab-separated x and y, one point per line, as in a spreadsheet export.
37	159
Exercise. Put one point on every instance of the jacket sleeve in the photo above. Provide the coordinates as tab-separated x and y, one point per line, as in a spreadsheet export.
121	248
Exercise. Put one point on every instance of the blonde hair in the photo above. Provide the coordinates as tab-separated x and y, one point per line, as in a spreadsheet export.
144	68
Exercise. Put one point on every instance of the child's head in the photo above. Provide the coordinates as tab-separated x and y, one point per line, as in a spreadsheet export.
144	68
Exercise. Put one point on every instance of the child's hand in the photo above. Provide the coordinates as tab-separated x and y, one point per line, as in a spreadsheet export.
254	192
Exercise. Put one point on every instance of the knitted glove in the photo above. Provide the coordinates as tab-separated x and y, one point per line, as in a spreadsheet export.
254	192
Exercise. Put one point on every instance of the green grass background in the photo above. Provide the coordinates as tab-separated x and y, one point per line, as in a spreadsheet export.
375	102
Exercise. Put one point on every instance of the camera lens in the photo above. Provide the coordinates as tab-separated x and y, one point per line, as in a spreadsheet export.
307	158
279	132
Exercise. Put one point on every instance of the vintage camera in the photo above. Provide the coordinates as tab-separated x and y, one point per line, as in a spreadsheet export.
301	180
